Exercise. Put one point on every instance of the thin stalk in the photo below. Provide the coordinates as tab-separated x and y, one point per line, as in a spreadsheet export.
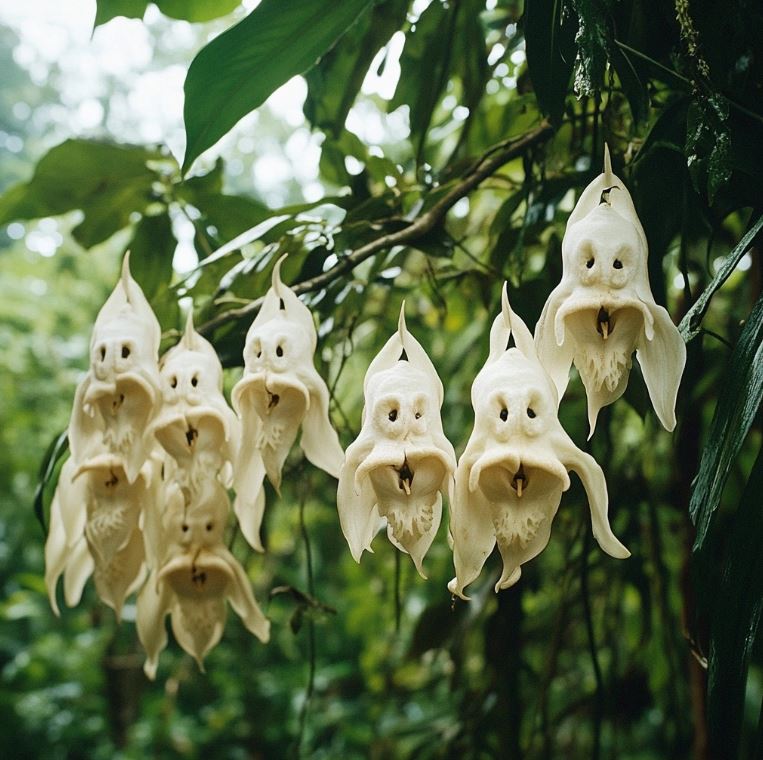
598	713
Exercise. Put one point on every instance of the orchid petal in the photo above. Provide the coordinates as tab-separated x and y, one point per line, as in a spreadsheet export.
242	599
152	607
662	361
320	441
592	477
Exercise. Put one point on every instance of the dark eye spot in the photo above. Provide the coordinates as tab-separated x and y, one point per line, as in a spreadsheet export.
185	528
174	382
531	413
504	414
617	264
209	526
418	415
392	415
279	351
589	263
259	354
194	381
125	352
103	353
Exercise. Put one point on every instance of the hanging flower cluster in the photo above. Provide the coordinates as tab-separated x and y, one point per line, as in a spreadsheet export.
194	573
109	477
155	447
511	476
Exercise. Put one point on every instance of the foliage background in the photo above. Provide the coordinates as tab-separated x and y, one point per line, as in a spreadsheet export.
434	190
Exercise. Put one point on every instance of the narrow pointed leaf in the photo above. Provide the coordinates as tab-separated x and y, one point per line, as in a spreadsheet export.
738	403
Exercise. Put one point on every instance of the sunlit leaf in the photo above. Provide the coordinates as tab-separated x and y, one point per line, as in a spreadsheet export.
237	71
107	181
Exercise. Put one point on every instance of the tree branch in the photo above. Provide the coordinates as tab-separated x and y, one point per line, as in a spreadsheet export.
489	163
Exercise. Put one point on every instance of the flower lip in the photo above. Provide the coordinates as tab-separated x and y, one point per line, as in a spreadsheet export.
100	389
271	391
405	462
604	307
521	465
201	575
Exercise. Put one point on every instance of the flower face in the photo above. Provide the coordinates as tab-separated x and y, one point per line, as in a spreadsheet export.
401	463
603	309
196	426
511	477
195	577
279	392
116	401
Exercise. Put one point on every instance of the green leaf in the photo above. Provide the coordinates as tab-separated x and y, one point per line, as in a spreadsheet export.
109	9
57	449
549	40
151	250
237	71
424	66
633	84
735	620
593	40
738	402
197	10
335	82
692	322
107	181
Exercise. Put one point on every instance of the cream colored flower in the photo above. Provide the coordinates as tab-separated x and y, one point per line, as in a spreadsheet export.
116	401
195	578
280	391
603	308
196	426
511	477
401	463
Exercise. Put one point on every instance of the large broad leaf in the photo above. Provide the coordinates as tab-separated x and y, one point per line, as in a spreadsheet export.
109	9
151	250
334	83
188	10
550	44
736	616
237	71
424	67
196	10
738	403
49	468
108	182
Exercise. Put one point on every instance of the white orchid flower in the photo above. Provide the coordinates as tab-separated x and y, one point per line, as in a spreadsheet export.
114	507
196	577
401	463
280	391
603	308
114	404
510	478
196	426
66	550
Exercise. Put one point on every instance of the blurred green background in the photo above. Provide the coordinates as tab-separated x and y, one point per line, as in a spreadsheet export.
654	657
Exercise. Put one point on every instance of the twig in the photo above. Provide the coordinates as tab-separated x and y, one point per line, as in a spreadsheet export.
599	701
490	162
310	624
